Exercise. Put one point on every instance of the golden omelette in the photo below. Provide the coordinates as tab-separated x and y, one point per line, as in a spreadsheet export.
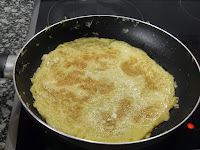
102	90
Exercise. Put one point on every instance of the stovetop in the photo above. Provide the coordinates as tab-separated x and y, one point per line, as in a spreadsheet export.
178	17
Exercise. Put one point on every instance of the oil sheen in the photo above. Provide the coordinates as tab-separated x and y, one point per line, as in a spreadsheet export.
102	90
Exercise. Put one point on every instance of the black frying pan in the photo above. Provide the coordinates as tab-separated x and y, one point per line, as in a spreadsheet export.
164	48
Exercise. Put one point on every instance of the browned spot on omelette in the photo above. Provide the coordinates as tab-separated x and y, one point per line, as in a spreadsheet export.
94	86
77	63
124	107
102	90
148	112
134	67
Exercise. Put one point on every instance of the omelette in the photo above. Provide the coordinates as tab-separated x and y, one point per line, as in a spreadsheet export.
102	90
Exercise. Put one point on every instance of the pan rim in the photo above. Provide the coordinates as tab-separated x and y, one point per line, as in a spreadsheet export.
90	141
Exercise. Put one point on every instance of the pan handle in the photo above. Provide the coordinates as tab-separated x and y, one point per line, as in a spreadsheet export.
7	63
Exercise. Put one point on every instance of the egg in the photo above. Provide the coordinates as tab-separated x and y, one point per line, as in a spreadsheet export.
102	90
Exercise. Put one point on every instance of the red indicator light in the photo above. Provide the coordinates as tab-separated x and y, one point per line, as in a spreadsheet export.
190	126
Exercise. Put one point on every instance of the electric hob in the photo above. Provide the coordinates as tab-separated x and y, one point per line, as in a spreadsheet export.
178	17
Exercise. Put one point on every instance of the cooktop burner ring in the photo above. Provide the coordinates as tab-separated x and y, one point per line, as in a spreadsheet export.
90	7
188	12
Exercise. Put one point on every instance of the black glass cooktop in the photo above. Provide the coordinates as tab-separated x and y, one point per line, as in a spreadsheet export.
178	17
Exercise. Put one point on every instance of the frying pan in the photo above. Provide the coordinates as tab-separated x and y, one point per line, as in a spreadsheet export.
160	45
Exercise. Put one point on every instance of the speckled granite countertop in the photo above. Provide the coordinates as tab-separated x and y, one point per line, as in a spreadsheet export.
15	17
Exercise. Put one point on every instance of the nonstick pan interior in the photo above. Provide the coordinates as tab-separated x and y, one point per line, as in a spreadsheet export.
167	51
